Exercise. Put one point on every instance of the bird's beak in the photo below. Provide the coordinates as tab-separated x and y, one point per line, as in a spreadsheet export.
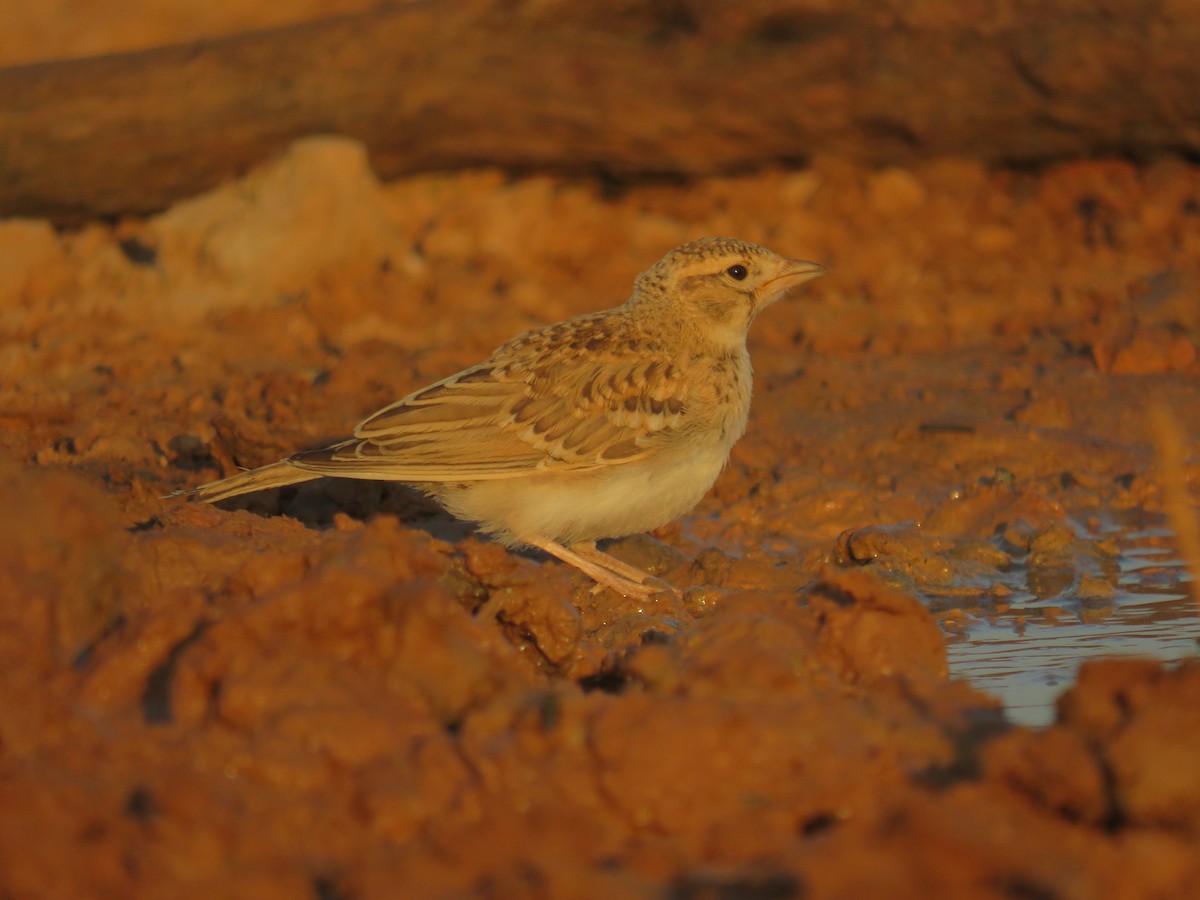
792	273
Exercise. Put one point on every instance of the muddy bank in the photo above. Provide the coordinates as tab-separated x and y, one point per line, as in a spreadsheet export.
332	719
230	704
336	691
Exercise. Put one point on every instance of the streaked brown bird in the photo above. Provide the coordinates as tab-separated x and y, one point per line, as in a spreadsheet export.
600	426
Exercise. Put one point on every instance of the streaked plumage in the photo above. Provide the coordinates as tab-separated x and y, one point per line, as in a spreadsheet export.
600	426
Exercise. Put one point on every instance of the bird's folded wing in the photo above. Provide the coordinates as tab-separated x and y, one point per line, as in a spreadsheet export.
512	415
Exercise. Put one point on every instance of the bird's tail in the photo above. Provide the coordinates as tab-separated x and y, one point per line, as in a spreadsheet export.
272	476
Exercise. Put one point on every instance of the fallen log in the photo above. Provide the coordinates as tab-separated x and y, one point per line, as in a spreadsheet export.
624	90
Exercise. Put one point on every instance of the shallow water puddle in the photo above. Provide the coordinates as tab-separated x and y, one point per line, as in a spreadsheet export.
1023	607
1026	592
1029	652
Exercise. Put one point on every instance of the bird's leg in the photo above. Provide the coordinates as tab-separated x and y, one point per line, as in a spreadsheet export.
602	568
589	551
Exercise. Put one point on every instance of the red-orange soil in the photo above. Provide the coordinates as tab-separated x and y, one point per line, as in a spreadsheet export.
339	692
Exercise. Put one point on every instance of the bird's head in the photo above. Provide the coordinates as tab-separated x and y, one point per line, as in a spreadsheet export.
720	284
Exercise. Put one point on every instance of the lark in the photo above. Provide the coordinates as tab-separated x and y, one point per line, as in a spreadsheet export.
601	426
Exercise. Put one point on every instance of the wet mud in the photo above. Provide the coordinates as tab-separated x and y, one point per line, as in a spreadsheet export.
335	690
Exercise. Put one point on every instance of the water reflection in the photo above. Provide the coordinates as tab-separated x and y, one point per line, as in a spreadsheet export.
1029	652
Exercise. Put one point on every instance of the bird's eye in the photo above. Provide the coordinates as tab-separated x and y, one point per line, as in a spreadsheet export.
737	272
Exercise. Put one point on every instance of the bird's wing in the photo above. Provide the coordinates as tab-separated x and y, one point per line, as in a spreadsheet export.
572	396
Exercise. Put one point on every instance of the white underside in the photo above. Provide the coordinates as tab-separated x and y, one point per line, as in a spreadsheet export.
613	501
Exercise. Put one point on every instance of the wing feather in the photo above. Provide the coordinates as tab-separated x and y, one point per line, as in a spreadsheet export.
574	396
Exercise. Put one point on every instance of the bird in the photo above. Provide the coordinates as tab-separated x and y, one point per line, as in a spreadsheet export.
601	426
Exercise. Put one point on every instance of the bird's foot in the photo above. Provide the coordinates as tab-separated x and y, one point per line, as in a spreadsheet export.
607	571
